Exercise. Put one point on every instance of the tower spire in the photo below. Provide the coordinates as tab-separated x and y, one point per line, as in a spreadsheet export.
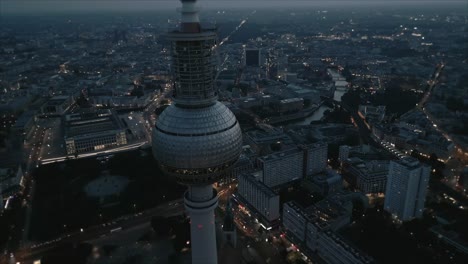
190	21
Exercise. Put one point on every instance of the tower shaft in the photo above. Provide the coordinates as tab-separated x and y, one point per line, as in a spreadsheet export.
200	203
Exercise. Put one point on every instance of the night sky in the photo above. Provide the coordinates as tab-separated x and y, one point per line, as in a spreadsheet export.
40	6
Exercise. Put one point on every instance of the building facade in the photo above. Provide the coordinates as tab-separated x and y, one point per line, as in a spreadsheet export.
57	105
327	182
295	220
314	234
281	167
315	156
259	196
93	131
369	176
290	105
344	153
406	189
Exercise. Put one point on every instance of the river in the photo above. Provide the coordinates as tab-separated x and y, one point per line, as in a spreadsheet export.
317	115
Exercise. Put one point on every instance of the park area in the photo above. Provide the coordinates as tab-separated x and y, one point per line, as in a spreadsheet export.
80	193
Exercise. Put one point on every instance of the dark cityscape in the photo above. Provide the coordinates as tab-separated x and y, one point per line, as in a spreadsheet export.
233	132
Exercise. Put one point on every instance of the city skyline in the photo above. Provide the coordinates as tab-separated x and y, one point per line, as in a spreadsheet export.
48	6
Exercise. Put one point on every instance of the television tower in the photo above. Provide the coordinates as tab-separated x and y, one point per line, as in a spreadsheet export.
196	139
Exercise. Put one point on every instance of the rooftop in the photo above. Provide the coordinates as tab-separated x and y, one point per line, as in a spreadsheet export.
86	123
409	162
24	118
280	155
291	100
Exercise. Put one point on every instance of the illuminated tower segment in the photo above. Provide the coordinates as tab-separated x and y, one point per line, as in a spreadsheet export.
196	139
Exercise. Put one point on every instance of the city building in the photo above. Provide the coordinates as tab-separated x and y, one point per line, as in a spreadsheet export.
315	157
290	77
331	133
343	153
335	250
243	165
11	181
295	220
298	91
24	124
120	102
369	176
13	103
57	105
252	57
196	139
406	189
290	105
259	196
314	228
282	167
327	182
372	114
260	140
90	131
364	152
415	132
250	102
229	227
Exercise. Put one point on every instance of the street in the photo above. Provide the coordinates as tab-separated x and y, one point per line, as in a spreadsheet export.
28	254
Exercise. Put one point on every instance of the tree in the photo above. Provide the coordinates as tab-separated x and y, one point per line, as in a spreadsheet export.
83	251
433	159
415	153
347	73
455	104
352	99
161	225
182	234
108	249
294	257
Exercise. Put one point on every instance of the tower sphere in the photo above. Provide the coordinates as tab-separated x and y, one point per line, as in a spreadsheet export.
197	145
